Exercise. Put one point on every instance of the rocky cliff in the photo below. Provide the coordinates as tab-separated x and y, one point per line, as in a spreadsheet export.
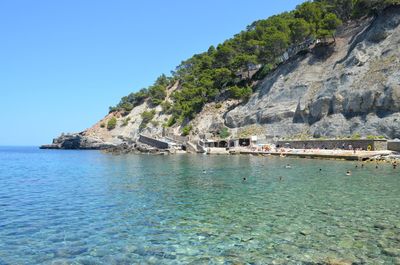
351	86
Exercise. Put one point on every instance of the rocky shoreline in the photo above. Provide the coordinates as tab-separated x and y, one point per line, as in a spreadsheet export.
77	141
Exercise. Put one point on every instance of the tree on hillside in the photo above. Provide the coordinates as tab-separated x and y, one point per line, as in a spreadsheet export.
342	8
157	94
224	55
300	30
328	26
221	77
244	62
310	12
275	43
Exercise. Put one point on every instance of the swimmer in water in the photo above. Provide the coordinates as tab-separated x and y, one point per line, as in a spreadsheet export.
280	178
362	165
320	169
288	166
244	178
204	171
348	173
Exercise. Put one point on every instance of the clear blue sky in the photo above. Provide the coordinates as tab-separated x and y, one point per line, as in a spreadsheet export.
63	63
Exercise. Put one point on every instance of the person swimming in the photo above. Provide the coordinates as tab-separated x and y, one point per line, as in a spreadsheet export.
320	169
288	166
244	178
204	171
348	173
280	178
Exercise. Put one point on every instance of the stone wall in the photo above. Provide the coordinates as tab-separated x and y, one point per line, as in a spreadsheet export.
394	146
153	142
335	144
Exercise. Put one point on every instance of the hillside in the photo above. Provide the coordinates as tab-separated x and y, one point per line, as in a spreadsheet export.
337	86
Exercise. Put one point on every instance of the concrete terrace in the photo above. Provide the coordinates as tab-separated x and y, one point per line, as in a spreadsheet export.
318	153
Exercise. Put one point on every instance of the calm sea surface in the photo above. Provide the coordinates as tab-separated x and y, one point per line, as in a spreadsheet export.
86	207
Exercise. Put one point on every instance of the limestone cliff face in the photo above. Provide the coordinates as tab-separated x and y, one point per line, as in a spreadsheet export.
352	86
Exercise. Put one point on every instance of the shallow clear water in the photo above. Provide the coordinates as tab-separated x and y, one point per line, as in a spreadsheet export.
86	207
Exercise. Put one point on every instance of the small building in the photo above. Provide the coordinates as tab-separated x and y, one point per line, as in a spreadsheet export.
243	142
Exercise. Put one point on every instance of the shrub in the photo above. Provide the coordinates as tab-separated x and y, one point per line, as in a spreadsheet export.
224	133
263	72
243	93
126	121
356	136
102	125
166	107
218	105
186	130
157	94
111	123
147	116
112	109
171	121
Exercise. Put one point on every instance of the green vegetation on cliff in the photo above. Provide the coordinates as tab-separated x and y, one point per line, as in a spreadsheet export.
228	70
111	123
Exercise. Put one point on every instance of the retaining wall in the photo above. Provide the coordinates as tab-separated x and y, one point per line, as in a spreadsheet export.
153	142
394	146
335	144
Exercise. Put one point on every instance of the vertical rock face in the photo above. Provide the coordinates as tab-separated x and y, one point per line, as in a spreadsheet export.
351	87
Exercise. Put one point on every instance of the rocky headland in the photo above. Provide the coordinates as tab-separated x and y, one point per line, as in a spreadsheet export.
346	87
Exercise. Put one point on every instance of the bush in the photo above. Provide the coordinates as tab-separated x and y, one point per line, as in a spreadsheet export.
186	130
112	109
218	105
147	116
166	107
126	121
102	125
263	72
157	94
111	123
171	121
224	133
243	93
356	136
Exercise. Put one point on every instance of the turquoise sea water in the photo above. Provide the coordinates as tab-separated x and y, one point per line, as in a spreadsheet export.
86	207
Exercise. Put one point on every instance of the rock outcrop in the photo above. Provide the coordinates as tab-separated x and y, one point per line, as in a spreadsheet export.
77	141
351	86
